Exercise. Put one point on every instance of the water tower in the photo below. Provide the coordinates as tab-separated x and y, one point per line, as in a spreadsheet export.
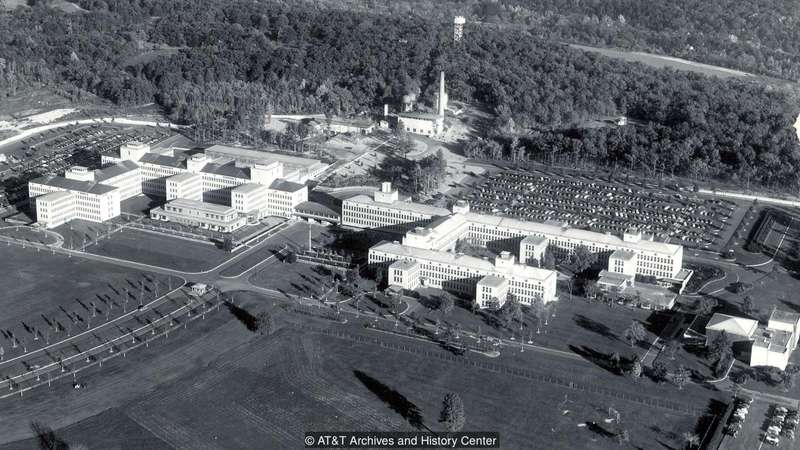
458	27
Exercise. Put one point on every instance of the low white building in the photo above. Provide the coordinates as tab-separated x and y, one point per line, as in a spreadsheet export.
736	328
353	126
55	208
200	214
773	345
426	124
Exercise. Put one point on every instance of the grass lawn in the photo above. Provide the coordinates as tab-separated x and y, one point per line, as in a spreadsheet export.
29	234
266	392
159	250
41	287
576	326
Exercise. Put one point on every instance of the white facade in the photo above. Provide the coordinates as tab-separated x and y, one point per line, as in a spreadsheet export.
461	273
125	176
184	185
283	197
250	199
384	210
133	151
774	345
491	292
55	208
404	273
94	202
421	123
440	228
199	214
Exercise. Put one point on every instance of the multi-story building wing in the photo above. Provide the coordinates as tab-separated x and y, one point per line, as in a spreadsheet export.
386	211
55	208
94	202
438	229
124	175
283	196
462	273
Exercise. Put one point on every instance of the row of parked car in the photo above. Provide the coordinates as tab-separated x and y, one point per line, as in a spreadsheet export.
782	422
740	410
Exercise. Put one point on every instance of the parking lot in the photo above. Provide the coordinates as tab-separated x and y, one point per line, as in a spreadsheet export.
54	151
589	202
754	426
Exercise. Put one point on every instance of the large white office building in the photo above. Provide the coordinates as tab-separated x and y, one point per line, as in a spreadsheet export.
412	267
95	202
210	176
435	228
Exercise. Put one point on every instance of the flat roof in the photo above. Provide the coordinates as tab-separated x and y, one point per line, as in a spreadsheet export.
784	317
183	177
239	152
358	123
573	233
454	259
627	255
419	208
90	187
493	281
119	168
201	206
286	186
773	340
226	170
163	160
55	196
534	240
419	115
615	278
404	264
249	187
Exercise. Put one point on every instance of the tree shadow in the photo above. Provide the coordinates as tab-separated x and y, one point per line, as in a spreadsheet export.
46	437
396	401
597	429
248	320
594	326
602	360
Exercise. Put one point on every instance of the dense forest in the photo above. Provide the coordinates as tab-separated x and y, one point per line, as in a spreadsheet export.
761	36
224	65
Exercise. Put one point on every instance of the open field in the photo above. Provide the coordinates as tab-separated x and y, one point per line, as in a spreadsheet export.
31	101
661	61
160	250
42	289
315	375
119	382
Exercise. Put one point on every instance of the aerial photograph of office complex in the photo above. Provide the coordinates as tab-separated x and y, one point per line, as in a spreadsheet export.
516	224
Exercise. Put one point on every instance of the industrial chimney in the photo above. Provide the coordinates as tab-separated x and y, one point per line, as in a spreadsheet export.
385	110
442	95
